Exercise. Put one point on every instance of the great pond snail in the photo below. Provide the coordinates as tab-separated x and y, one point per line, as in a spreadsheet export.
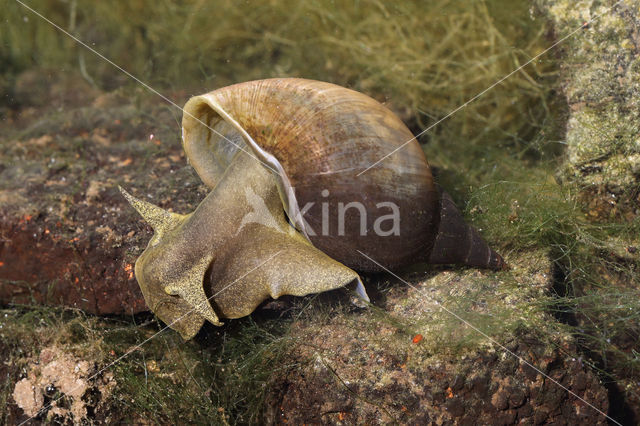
290	211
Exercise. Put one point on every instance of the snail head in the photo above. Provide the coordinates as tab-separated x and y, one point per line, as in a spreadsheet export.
174	293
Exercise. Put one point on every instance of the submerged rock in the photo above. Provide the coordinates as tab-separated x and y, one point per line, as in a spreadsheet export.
68	237
415	361
601	80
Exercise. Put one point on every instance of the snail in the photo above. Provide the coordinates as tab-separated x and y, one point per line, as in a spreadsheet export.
290	211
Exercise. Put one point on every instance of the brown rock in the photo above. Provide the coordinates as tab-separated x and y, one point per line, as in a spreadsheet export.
376	374
67	236
500	400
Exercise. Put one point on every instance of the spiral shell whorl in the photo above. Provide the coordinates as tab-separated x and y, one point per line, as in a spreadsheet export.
317	137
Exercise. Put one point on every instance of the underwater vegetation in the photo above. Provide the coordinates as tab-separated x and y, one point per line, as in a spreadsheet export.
575	285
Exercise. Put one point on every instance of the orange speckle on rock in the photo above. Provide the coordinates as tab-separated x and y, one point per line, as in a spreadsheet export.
76	280
449	392
1	264
128	268
24	219
417	338
341	415
46	232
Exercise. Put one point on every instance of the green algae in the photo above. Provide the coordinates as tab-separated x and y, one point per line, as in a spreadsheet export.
599	76
424	59
157	376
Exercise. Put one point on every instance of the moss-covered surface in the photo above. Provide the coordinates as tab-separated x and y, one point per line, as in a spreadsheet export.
570	305
321	359
600	70
420	357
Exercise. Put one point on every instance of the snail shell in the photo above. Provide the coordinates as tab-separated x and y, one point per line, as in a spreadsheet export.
317	137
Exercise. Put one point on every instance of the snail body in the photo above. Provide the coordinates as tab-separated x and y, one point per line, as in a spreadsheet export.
284	159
